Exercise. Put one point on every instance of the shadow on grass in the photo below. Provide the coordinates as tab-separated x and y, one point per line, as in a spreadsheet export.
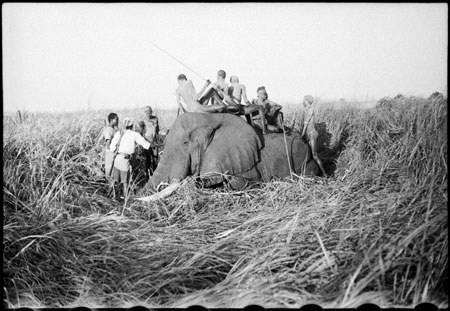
328	148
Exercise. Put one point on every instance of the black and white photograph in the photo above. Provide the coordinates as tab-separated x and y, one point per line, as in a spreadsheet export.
225	155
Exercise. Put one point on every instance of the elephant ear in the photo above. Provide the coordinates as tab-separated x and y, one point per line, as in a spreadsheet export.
235	148
199	139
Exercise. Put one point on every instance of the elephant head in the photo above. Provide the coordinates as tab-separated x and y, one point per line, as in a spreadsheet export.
200	143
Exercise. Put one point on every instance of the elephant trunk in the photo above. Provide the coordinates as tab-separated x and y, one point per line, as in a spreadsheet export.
168	169
163	174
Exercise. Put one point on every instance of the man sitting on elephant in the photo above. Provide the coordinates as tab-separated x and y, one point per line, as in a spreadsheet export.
187	98
271	111
217	92
237	92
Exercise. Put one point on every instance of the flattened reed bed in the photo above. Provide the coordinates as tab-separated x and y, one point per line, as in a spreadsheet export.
374	232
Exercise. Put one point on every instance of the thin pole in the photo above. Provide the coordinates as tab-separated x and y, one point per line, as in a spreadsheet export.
285	144
179	61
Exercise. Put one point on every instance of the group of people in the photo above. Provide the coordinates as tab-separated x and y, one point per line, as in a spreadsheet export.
119	146
221	97
212	98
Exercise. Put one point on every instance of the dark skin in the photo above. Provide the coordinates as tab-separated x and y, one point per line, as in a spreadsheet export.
114	123
186	91
237	93
267	105
309	129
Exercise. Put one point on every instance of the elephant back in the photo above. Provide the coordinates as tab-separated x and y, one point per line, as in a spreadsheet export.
278	156
234	148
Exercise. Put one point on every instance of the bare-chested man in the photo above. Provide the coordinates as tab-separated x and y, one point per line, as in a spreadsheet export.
187	98
309	128
237	92
217	92
221	86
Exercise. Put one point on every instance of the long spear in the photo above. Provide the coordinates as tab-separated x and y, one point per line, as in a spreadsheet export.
179	61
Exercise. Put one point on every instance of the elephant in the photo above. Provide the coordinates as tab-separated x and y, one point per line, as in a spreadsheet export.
214	145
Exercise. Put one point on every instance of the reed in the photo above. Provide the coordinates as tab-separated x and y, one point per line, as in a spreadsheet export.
375	231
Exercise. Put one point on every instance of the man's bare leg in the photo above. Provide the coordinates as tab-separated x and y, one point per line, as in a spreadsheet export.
313	146
204	99
273	129
125	190
216	98
248	110
249	119
213	108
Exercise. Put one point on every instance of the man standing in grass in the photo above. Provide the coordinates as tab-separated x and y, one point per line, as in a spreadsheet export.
124	145
309	127
108	134
150	129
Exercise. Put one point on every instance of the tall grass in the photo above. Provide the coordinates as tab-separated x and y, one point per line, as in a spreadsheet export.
376	231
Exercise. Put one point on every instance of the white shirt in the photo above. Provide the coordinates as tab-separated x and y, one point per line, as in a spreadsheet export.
127	144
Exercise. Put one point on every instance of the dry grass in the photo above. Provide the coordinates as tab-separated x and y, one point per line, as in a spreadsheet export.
376	231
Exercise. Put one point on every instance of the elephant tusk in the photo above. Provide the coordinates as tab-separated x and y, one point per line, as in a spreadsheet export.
164	193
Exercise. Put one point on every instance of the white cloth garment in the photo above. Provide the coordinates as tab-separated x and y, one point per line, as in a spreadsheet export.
128	146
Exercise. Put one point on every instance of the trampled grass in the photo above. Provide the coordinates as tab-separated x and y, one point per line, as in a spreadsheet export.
375	231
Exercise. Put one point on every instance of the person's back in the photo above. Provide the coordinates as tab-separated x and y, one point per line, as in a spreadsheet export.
187	92
221	87
151	129
237	91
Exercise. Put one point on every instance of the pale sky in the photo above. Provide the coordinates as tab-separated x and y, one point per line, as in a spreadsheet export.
69	56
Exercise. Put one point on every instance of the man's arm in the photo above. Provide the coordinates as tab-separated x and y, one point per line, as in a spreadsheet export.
272	107
226	96
223	91
180	106
114	142
274	104
203	89
107	136
141	140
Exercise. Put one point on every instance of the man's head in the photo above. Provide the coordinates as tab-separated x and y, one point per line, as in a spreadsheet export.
234	79
148	111
262	93
113	119
308	100
221	74
128	123
181	78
